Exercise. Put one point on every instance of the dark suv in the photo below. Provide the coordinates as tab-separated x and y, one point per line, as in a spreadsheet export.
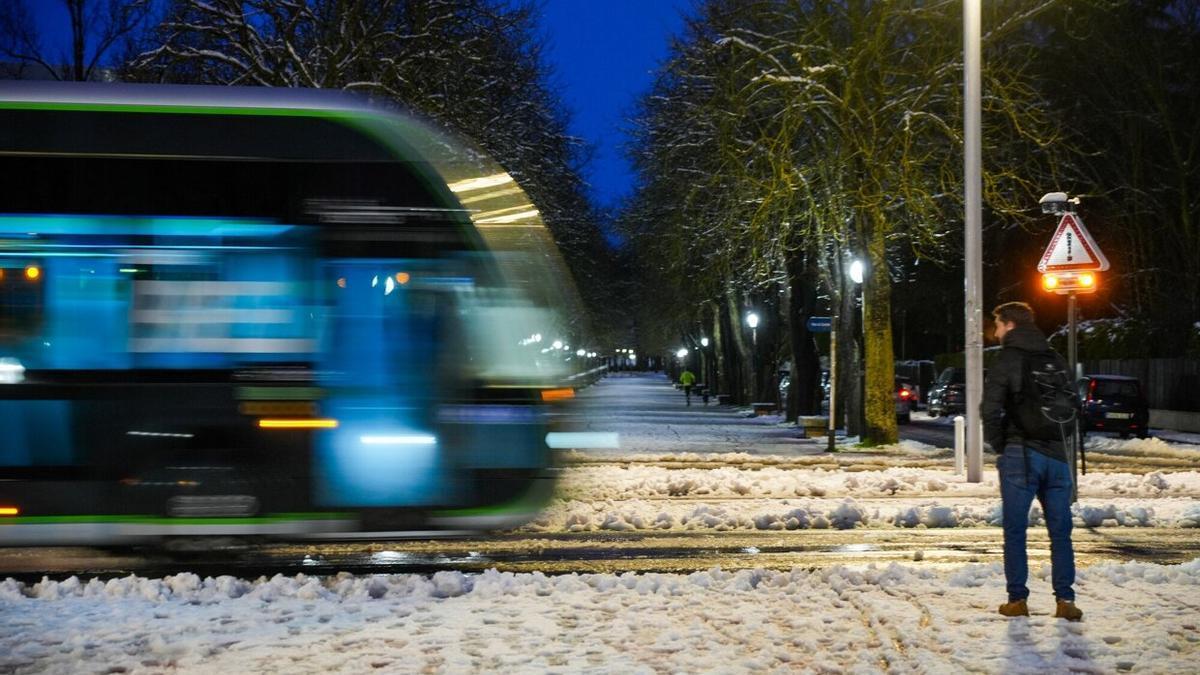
948	395
1114	403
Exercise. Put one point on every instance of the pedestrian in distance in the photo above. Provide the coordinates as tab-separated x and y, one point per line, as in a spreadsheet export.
687	379
1027	405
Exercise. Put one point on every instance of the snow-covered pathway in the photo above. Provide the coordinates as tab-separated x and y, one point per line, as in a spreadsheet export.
1140	617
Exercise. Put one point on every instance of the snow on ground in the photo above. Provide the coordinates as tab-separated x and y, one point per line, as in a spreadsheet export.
1138	617
731	479
800	514
740	491
1141	447
1096	446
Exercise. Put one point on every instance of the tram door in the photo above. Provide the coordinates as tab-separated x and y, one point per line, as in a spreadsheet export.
379	364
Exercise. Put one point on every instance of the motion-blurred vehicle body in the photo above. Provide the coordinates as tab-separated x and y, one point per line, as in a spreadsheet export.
236	311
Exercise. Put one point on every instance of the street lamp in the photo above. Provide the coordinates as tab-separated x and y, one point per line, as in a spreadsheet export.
682	353
752	321
856	271
703	342
973	234
857	274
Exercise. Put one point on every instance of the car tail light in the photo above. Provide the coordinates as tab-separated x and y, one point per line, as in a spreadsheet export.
1091	390
905	394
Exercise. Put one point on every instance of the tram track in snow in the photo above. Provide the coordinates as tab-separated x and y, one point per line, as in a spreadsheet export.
563	553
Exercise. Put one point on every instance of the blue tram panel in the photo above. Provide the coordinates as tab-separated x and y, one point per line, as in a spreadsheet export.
111	292
391	343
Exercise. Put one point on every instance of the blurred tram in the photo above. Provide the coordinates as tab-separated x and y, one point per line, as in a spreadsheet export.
253	312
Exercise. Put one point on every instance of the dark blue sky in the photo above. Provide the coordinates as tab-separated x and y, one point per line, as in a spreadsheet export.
603	53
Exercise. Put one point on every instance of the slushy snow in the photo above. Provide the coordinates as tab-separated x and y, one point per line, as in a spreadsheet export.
1140	617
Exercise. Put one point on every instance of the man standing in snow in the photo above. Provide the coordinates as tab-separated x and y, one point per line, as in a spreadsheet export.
1028	466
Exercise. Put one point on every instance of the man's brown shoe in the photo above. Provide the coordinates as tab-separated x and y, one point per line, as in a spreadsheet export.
1067	610
1015	608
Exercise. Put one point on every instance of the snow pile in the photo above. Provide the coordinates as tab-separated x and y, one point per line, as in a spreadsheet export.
846	513
1190	517
1140	447
731	479
839	619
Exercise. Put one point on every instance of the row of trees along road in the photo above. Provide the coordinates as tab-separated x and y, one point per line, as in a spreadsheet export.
474	66
784	138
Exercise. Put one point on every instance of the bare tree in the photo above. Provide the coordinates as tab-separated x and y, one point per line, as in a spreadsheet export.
96	26
474	66
790	134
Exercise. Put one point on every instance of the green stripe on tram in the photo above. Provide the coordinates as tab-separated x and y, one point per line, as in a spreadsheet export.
184	109
147	519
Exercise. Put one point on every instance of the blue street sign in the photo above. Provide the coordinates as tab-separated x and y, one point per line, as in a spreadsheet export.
820	324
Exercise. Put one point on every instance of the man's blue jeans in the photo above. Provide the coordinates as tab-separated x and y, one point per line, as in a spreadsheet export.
1050	481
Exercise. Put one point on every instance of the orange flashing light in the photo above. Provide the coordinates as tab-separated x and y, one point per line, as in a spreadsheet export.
558	394
9	511
1087	280
32	272
309	423
403	278
1049	282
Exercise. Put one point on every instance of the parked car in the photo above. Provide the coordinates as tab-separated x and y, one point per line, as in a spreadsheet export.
905	395
1114	403
948	395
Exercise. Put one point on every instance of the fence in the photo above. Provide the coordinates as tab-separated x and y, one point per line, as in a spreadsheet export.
1168	384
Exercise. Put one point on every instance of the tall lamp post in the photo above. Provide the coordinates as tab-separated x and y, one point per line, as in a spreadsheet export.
752	321
857	274
973	187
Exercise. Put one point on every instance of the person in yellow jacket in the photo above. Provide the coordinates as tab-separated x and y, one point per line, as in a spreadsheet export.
687	379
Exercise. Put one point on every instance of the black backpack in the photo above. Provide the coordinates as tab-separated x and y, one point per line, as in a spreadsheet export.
1046	405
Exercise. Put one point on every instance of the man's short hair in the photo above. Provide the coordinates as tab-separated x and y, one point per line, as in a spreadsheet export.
1019	313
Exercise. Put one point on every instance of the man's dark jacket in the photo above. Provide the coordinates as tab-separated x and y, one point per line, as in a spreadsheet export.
1001	387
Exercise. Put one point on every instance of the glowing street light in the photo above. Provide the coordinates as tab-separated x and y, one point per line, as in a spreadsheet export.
682	353
703	342
856	271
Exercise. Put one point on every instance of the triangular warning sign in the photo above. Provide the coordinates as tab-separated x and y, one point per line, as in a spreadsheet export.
1072	248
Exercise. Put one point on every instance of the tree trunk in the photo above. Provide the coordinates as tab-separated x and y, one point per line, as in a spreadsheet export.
78	35
736	352
804	392
718	346
880	413
849	375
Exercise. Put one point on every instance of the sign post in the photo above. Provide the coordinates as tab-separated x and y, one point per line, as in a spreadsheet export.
824	324
1069	267
832	391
